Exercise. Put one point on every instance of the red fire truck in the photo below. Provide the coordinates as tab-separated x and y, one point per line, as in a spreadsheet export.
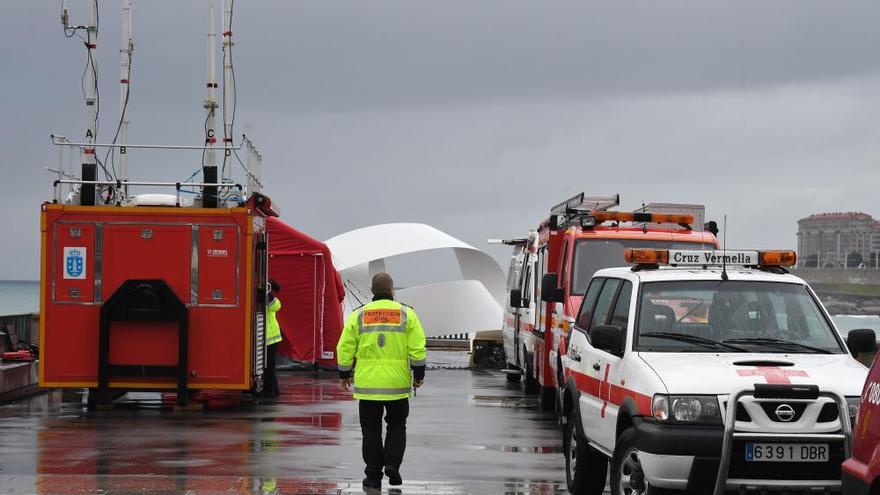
153	297
551	268
154	285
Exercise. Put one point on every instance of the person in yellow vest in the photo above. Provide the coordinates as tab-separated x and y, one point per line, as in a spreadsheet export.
273	338
384	344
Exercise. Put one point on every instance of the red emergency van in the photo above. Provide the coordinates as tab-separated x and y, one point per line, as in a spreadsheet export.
551	268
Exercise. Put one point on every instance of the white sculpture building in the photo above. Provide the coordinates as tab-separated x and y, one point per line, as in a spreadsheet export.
472	304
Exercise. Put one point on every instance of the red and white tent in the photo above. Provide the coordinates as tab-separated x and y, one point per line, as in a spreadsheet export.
311	295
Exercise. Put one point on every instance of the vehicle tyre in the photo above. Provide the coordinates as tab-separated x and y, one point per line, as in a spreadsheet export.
627	477
529	383
91	399
585	468
560	391
547	398
512	377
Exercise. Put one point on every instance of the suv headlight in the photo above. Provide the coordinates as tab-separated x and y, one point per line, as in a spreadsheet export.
687	409
852	406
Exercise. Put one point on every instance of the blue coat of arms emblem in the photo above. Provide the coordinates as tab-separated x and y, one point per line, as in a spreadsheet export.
74	263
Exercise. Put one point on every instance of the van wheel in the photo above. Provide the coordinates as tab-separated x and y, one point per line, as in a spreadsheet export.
512	377
627	477
547	398
529	383
585	469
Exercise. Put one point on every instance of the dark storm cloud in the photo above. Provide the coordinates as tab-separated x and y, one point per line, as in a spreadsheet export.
480	114
443	52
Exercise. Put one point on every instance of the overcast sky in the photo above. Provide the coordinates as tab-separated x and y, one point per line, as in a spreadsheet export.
474	116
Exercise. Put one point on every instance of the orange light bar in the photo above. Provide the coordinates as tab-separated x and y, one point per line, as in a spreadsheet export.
628	216
646	256
777	258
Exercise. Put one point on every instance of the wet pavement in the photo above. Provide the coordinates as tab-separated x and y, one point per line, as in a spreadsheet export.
468	432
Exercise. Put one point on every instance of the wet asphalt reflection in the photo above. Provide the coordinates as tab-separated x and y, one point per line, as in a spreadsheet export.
468	432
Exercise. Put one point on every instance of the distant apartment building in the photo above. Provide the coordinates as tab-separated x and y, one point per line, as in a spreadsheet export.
838	240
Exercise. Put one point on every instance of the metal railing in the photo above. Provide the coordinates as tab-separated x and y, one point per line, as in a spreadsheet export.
119	184
251	164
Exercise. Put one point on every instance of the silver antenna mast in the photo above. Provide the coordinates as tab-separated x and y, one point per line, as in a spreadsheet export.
209	163
124	92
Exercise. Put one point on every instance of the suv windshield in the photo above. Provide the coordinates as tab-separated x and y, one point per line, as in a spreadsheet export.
595	254
732	316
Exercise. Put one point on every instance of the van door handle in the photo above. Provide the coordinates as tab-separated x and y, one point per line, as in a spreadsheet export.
575	356
596	366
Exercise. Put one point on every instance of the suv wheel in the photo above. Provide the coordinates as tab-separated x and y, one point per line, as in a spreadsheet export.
512	377
547	398
627	477
585	469
529	383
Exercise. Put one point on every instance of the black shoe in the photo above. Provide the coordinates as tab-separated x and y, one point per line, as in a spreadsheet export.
393	476
370	484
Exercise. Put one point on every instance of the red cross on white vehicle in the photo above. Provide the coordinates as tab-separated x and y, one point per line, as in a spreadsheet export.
773	374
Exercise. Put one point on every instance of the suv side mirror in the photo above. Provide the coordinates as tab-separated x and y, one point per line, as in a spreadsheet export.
608	338
549	290
516	299
861	341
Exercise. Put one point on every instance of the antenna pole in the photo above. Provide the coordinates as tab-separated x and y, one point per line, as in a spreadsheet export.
228	88
124	92
724	252
90	162
209	165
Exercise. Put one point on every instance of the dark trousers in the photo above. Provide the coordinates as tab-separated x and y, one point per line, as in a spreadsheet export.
270	379
377	456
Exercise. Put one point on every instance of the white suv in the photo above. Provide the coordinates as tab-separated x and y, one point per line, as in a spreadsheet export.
659	355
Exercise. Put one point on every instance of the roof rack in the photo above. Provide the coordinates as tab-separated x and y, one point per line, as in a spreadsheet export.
572	211
696	210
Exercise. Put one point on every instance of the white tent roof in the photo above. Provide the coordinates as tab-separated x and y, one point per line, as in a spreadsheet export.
477	298
360	246
463	306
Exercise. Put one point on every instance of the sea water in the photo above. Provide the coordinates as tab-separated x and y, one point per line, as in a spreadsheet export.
19	297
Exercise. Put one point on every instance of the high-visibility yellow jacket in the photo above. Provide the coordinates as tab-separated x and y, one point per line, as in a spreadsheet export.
273	330
381	341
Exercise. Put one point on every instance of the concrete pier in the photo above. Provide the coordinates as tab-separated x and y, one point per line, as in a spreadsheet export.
469	432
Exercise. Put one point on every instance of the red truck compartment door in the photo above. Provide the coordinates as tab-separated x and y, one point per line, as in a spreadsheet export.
73	270
145	251
218	265
148	252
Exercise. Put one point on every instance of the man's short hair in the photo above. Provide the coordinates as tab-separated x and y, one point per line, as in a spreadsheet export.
383	284
274	286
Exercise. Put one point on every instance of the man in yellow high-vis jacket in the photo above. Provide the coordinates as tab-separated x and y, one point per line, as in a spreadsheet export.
384	343
273	338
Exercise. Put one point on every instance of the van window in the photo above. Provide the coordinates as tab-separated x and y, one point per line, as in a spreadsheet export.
563	266
603	304
514	270
620	316
526	287
595	254
541	266
586	313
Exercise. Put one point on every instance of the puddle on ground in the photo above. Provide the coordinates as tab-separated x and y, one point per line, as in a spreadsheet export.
520	449
504	401
185	462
